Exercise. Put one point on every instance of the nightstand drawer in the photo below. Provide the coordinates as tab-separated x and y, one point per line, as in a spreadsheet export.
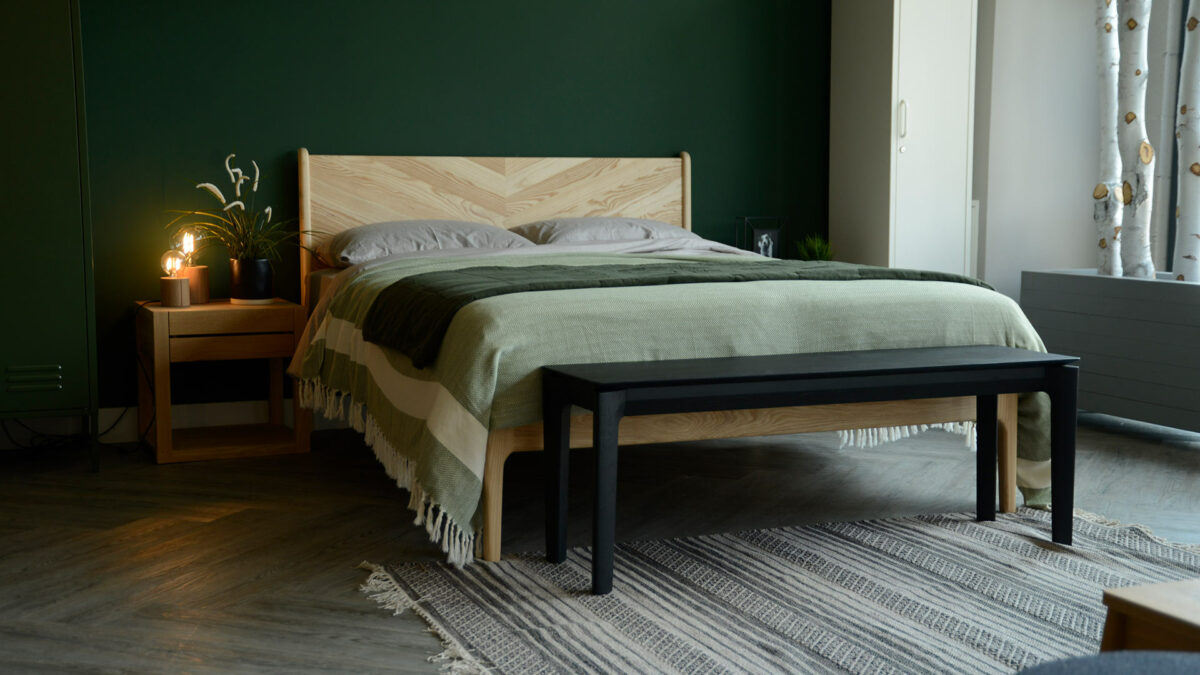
222	347
213	319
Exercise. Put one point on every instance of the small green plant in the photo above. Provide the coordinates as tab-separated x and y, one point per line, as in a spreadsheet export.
246	233
814	247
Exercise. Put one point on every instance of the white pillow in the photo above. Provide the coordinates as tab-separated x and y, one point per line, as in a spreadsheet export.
378	240
565	230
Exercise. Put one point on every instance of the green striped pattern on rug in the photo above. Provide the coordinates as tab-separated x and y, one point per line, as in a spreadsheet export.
939	593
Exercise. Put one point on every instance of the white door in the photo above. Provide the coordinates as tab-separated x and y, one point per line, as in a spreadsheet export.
932	135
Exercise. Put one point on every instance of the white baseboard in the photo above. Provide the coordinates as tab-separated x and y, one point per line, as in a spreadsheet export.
182	416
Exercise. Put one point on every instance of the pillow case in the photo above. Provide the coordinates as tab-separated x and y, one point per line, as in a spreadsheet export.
378	240
565	230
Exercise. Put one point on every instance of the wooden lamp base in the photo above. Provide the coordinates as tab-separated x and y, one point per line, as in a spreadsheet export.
175	292
197	278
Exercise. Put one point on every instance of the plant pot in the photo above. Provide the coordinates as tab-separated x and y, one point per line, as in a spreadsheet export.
251	282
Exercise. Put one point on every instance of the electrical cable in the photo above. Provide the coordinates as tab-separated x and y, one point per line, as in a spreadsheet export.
113	425
13	441
44	439
47	441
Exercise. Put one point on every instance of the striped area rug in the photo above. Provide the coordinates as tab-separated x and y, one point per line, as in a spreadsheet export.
938	593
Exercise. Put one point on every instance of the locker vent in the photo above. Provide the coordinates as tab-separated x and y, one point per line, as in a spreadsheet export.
33	378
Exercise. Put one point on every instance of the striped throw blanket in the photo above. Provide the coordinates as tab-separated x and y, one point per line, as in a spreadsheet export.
429	427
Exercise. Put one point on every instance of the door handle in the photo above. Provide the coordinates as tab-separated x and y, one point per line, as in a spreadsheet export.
902	118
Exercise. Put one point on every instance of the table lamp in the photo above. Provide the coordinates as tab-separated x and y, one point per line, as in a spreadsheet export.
174	287
186	242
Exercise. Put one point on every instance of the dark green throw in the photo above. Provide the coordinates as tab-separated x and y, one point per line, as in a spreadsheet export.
413	314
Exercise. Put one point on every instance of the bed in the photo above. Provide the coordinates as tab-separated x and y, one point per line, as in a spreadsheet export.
377	387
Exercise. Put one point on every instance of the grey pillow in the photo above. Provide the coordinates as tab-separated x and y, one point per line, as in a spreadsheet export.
378	240
565	230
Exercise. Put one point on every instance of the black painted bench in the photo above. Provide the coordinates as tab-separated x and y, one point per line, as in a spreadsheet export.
614	390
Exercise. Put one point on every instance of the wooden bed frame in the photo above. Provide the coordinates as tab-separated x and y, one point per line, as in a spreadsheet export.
339	192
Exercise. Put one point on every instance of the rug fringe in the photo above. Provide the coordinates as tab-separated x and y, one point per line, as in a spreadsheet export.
870	438
383	589
1109	522
456	542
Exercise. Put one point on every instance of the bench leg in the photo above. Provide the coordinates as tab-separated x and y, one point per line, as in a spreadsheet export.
556	416
1062	387
985	460
1007	451
610	407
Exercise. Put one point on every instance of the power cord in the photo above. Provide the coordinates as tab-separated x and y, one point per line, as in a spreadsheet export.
47	441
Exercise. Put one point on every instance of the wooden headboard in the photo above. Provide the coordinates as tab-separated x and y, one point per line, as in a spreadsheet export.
340	192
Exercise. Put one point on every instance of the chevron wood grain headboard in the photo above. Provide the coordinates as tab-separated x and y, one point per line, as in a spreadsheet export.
339	192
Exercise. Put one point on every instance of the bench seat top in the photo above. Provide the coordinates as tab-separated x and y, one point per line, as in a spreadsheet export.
638	374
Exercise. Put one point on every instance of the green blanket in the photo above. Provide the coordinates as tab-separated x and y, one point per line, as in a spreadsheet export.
429	427
413	314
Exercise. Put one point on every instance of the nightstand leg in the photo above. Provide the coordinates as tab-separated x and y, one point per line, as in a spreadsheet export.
275	398
145	370
161	367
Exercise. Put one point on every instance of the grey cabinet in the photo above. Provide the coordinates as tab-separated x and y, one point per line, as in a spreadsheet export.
1135	338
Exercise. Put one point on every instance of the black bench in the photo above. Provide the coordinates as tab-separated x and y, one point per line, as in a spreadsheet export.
614	390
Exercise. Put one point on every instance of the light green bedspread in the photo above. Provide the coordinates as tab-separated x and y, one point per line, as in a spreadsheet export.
429	427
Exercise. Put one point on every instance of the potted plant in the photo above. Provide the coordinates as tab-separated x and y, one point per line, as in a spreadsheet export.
814	247
248	235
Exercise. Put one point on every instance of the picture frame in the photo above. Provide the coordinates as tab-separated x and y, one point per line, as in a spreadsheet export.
765	241
761	234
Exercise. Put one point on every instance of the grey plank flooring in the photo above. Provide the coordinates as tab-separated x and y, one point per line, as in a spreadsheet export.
251	565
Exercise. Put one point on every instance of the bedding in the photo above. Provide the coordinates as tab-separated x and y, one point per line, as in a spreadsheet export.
380	240
320	281
429	427
413	313
576	230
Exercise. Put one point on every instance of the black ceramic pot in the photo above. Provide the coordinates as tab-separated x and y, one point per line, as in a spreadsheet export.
251	282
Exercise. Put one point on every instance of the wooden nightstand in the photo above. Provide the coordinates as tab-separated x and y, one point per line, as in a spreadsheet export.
1156	616
217	331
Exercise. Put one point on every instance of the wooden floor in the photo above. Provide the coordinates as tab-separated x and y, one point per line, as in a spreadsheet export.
251	565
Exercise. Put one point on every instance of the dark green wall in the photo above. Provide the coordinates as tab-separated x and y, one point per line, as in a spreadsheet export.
172	88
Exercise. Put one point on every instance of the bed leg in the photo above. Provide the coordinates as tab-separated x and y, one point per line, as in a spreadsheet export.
1007	452
499	447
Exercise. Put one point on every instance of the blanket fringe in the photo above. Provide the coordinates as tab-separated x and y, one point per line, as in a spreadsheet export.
383	589
1109	522
456	542
870	438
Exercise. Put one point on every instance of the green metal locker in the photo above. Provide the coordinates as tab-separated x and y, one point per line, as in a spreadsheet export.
47	338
